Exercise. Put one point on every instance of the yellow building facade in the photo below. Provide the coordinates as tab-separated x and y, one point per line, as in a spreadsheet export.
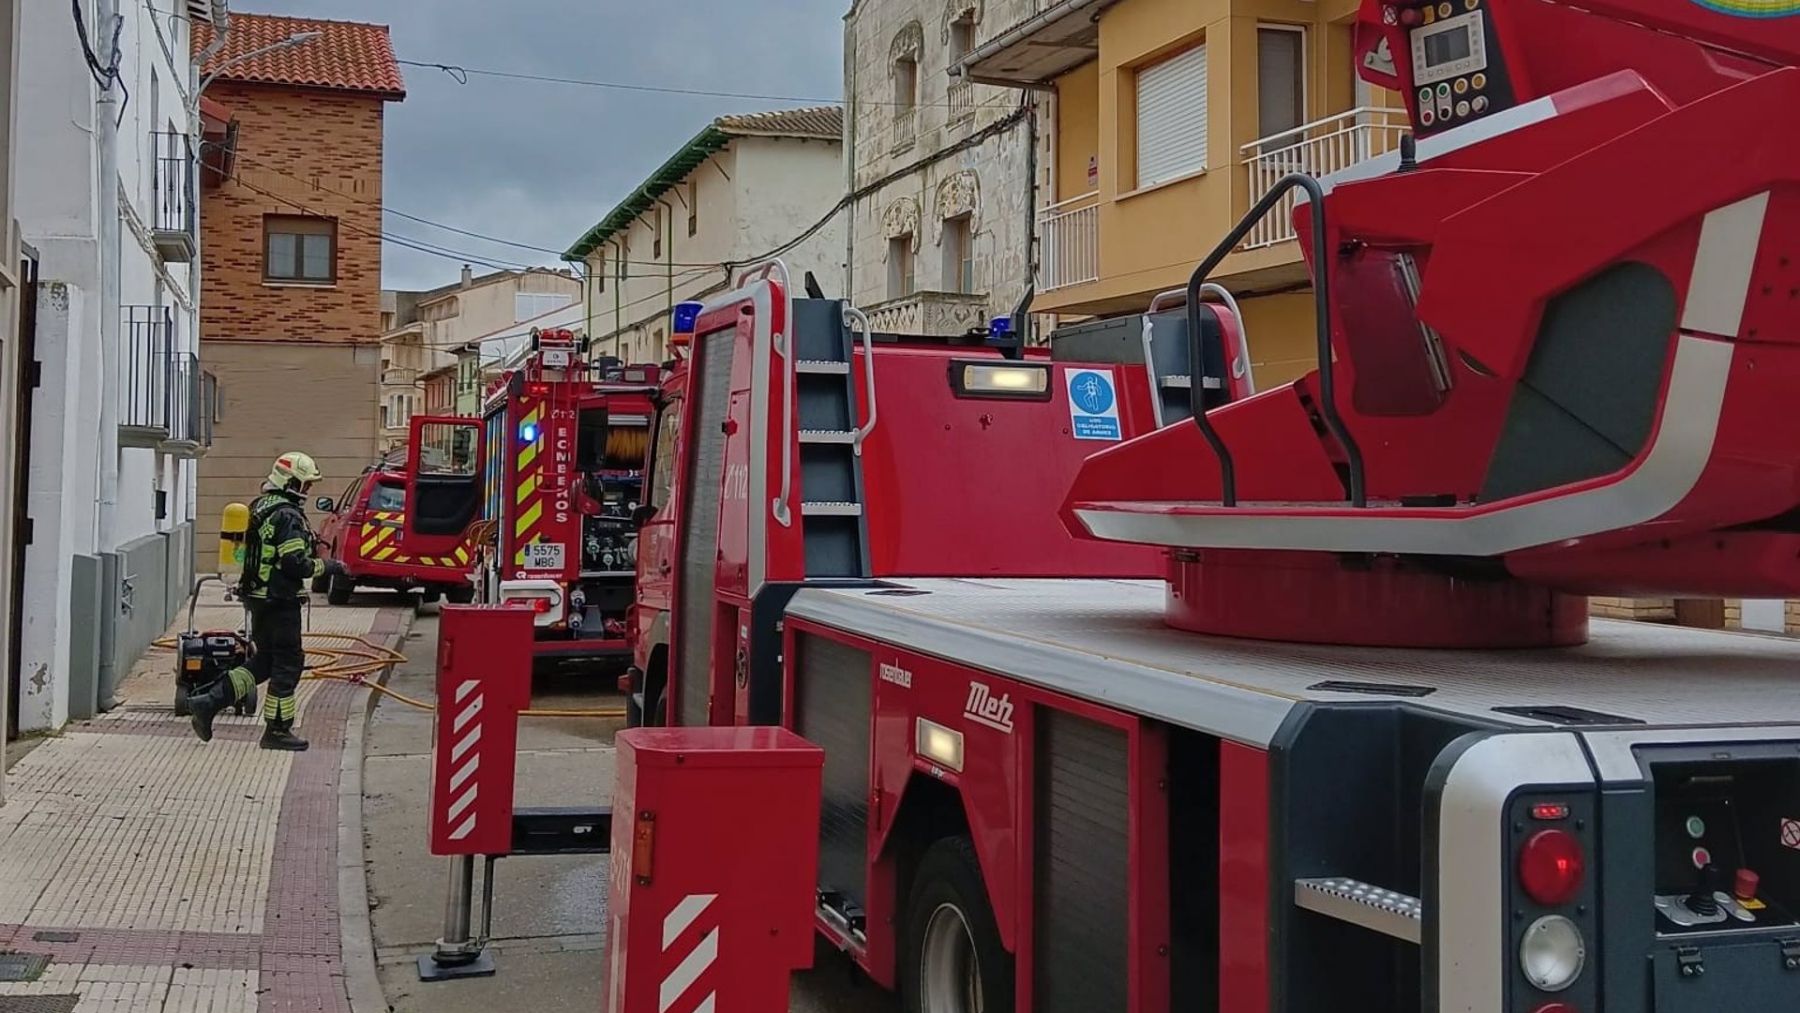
1170	119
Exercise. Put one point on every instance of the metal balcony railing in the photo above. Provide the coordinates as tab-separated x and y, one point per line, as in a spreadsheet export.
146	374
1316	149
186	395
1070	234
173	181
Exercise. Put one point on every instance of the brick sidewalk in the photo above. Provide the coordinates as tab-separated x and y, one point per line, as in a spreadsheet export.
159	874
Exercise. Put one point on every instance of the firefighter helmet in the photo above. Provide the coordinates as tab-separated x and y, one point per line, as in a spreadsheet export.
294	471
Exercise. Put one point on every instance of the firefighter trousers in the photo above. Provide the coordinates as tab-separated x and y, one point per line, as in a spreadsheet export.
276	630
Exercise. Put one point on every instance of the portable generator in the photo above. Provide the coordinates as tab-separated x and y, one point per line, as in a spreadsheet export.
202	657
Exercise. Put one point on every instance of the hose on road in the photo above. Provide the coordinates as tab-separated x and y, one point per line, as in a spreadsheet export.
363	659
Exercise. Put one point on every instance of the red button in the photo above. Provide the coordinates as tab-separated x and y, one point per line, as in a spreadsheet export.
1747	882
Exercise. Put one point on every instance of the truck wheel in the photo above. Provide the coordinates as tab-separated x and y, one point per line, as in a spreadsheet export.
431	596
952	960
320	584
337	592
461	595
181	701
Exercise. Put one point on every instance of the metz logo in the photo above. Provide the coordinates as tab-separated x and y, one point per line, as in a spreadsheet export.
984	708
896	675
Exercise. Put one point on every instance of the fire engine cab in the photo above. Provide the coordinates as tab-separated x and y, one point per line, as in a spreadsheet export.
561	448
1357	745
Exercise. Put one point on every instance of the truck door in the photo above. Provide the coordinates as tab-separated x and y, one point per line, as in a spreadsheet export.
443	478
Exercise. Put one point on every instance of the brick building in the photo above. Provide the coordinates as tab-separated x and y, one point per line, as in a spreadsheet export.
290	238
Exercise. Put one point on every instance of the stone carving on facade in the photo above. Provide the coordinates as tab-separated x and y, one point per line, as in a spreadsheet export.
960	10
901	219
909	43
959	194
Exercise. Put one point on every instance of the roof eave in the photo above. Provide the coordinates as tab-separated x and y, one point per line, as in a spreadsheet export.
708	142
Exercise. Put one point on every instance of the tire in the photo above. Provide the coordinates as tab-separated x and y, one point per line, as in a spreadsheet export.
337	591
431	596
951	957
181	701
320	584
461	595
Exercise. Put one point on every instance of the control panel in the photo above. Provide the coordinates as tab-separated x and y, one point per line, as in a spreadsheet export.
1725	856
1458	74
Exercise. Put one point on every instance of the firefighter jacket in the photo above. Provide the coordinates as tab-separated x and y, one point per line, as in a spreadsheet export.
278	554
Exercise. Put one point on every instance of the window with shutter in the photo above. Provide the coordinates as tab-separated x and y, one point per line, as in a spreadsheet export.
1171	118
1280	80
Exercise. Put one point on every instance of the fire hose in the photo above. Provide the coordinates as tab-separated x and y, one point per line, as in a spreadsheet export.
363	658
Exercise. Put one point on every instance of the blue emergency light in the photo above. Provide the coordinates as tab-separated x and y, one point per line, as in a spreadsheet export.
528	432
686	318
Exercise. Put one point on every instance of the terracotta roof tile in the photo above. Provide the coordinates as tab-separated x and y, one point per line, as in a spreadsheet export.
347	56
814	121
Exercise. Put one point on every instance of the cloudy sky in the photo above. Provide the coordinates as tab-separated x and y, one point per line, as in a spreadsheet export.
539	163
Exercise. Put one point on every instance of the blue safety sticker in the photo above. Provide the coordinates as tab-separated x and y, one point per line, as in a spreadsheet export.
1093	404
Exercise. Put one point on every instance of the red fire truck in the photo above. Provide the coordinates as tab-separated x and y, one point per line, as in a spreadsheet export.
1360	747
554	470
363	530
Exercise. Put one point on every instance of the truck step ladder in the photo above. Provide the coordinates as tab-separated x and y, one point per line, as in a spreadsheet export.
830	479
1351	900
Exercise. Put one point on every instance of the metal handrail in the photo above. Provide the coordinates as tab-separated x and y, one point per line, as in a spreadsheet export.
757	272
1267	146
856	318
1334	423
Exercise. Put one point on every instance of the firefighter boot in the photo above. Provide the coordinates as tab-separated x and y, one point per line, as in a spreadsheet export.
278	724
206	705
280	735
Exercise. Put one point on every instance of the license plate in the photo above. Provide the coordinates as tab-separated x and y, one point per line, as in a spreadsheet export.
544	556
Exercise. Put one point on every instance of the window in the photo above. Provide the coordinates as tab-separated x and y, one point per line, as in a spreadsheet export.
619	272
656	233
1280	80
300	248
529	305
348	500
959	255
598	273
693	203
385	423
962	39
1171	118
387	497
900	267
662	464
906	85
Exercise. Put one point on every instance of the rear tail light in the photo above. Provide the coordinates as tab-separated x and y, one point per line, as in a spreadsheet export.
1551	867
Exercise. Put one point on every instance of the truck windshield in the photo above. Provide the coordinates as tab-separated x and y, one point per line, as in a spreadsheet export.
388	498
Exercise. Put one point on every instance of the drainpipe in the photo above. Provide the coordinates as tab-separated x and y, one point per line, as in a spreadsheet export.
106	114
618	292
669	268
1031	199
849	148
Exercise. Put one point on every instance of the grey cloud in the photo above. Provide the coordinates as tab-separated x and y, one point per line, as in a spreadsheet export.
538	163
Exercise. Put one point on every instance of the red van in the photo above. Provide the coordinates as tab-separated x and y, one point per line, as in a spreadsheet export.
365	529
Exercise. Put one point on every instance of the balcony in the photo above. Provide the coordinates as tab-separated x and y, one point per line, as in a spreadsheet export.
172	179
962	99
146	375
905	129
929	313
1318	149
1069	234
193	400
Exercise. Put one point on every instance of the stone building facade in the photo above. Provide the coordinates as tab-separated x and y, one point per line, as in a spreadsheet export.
939	234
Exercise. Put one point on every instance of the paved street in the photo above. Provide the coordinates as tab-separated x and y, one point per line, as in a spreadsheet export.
549	912
154	873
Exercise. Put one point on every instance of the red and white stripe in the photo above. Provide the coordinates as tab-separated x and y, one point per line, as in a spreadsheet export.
466	731
700	955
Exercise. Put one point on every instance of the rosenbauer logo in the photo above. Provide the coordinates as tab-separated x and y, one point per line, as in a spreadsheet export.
984	708
896	675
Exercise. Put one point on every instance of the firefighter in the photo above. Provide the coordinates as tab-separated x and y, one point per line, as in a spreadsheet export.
279	560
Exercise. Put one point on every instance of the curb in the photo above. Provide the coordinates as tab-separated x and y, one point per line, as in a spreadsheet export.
356	928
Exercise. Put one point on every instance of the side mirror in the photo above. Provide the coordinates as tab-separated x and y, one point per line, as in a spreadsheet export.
643	514
323	503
